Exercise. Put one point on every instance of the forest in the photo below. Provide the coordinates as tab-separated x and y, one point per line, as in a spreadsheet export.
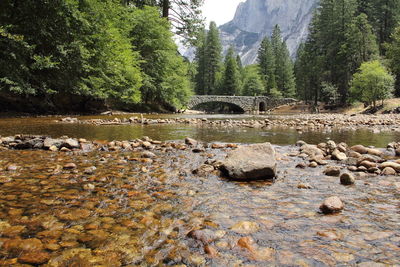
82	54
351	54
120	52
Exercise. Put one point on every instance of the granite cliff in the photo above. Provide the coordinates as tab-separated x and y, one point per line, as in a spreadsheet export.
255	19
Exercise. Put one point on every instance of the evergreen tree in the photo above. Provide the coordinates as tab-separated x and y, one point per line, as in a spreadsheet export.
393	54
288	85
339	41
266	62
200	59
231	78
384	16
284	75
213	52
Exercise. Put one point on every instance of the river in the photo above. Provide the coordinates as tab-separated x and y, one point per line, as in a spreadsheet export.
276	135
120	209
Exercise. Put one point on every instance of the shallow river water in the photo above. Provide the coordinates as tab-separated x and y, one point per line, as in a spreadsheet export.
131	211
276	135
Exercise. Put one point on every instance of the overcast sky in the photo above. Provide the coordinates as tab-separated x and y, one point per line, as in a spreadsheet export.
220	11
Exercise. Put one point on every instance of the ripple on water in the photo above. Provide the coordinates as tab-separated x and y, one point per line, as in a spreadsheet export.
132	216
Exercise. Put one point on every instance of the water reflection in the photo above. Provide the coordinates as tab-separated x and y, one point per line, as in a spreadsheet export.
280	136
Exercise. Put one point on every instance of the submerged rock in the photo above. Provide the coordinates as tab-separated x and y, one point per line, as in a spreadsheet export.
245	227
332	205
250	162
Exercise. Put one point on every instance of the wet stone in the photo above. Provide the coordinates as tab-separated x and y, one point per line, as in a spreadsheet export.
332	171
388	171
332	205
245	227
36	257
347	179
70	166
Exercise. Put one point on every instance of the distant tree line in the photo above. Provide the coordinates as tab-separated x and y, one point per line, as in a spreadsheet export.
273	75
350	42
101	49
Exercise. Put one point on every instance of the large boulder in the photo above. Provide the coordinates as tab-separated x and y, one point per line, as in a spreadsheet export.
251	162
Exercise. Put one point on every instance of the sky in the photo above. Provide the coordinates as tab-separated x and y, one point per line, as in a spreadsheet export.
220	11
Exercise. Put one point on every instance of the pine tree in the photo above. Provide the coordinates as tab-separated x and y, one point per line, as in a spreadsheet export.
213	52
266	62
339	41
231	78
384	16
283	64
393	54
200	59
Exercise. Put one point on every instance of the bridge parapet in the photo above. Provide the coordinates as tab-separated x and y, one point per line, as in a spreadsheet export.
246	103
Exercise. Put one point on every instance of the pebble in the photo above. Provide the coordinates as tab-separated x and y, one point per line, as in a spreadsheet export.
70	166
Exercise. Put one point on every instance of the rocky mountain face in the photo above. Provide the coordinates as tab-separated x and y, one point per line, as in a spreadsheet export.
255	19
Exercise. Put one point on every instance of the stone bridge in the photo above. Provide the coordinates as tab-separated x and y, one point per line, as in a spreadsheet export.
246	103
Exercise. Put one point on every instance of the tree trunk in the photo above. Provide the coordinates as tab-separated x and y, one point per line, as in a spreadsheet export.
165	8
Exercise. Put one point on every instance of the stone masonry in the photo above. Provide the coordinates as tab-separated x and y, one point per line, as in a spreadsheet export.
247	103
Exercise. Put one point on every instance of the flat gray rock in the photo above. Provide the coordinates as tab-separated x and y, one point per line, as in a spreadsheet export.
251	162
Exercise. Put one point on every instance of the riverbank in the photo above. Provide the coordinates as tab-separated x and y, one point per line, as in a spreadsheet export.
382	122
148	202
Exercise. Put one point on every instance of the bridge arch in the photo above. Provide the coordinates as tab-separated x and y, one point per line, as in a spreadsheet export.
262	106
247	103
233	105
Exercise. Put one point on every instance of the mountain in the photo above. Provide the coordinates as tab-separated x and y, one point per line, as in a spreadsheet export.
255	19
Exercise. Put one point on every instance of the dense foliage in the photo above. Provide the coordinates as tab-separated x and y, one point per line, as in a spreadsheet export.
273	75
343	35
92	48
276	67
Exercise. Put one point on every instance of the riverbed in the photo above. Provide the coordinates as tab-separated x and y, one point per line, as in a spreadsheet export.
121	208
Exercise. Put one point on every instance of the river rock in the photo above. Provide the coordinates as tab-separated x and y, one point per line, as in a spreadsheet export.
205	236
211	251
255	161
331	145
190	141
245	227
203	170
336	154
70	143
391	164
347	179
360	149
311	150
367	164
148	154
70	166
332	171
35	257
388	171
332	205
49	142
89	170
